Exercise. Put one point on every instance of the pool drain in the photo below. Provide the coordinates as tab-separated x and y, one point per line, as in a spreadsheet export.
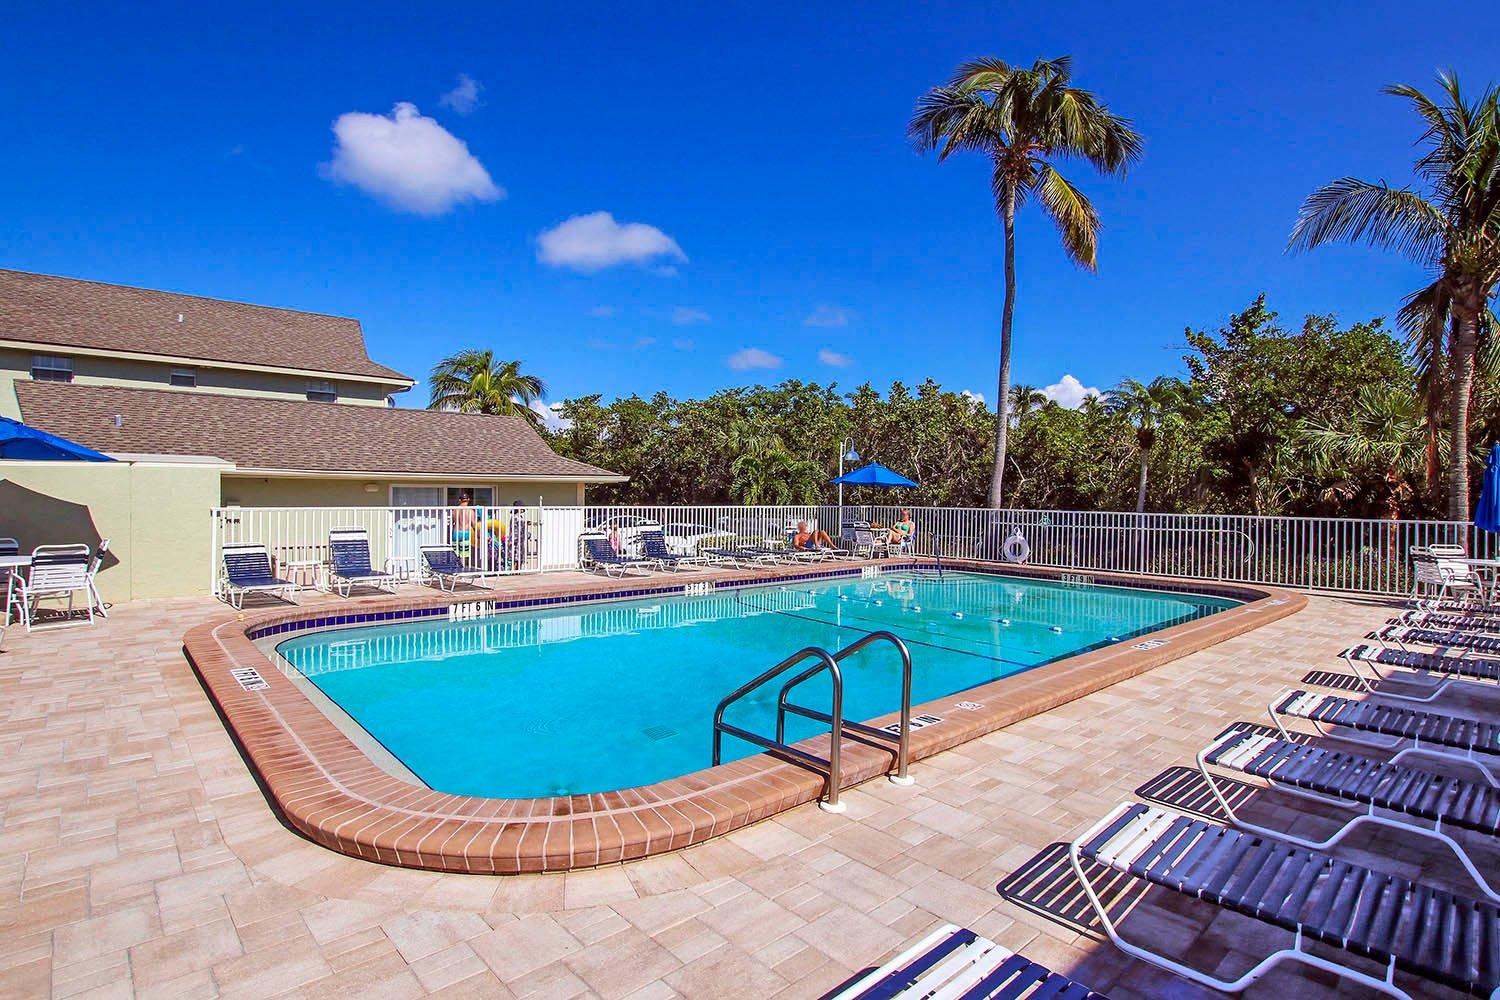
658	733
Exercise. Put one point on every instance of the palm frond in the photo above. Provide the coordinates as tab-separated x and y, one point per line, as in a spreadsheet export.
1350	210
1073	214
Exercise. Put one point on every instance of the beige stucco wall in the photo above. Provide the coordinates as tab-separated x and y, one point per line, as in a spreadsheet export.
156	517
251	491
16	364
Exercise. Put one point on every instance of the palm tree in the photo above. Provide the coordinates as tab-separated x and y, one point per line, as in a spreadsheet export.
765	471
1023	120
1148	408
471	381
1453	230
1024	399
1385	430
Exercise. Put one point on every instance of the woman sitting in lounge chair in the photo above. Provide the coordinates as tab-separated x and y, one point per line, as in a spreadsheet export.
902	530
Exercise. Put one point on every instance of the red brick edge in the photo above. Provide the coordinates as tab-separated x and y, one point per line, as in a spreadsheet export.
331	792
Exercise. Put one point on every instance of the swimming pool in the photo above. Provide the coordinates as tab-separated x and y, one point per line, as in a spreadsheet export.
620	694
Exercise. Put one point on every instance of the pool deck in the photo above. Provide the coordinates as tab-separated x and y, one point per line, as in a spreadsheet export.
139	857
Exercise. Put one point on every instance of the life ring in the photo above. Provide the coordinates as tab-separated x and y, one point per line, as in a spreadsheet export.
1016	548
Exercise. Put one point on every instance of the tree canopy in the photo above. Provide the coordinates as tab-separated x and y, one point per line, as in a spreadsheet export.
1269	418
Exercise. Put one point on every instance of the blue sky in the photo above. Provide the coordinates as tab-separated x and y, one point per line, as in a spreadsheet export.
763	146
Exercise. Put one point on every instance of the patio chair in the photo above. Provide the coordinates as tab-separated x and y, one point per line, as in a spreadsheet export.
56	571
1450	738
654	547
603	558
1408	799
957	963
868	545
350	567
9	547
1401	924
1441	568
1435	670
247	570
448	569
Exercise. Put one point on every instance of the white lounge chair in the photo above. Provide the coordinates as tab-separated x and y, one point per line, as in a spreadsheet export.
1398	923
350	563
1415	802
957	964
57	571
1442	570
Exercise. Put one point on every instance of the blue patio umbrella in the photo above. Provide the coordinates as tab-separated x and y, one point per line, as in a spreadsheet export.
875	474
18	441
1487	514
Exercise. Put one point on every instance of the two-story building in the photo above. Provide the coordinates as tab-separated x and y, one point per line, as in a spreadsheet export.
273	407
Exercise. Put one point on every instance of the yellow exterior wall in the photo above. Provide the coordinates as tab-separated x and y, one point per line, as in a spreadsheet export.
155	515
16	364
254	491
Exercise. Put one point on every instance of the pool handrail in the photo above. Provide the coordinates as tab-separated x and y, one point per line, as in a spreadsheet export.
902	736
830	767
838	726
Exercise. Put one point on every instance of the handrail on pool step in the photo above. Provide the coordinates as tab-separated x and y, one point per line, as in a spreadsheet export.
838	727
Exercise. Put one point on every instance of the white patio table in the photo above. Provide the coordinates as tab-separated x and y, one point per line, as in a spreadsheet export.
10	565
1486	569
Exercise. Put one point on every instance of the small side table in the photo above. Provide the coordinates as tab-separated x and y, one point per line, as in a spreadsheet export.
408	568
306	574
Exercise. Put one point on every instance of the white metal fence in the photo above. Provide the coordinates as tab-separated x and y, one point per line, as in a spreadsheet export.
1367	556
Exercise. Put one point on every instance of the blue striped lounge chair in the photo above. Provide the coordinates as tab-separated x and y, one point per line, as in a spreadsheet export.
1410	800
1435	735
444	566
1433	670
956	963
604	559
247	570
349	549
654	546
1402	925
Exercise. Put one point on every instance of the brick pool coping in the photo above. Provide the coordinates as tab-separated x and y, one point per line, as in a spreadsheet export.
329	790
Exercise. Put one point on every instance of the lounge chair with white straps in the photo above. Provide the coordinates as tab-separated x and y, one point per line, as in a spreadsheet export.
1442	569
1402	925
1435	671
1405	636
1408	799
956	964
57	572
1450	738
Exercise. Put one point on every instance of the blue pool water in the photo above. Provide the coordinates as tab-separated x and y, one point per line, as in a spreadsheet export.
619	694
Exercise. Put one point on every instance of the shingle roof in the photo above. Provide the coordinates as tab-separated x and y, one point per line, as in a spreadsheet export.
42	309
292	435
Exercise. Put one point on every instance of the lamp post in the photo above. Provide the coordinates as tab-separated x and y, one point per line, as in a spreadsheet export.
846	453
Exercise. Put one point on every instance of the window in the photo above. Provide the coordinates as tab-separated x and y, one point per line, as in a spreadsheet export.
46	368
185	377
322	392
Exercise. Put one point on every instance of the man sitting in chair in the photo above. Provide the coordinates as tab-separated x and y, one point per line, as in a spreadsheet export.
811	538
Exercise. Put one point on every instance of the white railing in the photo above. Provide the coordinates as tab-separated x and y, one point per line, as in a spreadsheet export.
1307	553
1359	555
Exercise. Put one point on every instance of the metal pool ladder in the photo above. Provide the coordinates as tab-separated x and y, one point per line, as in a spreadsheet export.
838	726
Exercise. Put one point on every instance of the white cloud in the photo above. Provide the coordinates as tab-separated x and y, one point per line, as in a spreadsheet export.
408	161
603	312
753	357
683	344
977	397
834	358
596	241
1069	392
683	316
464	97
828	316
551	414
